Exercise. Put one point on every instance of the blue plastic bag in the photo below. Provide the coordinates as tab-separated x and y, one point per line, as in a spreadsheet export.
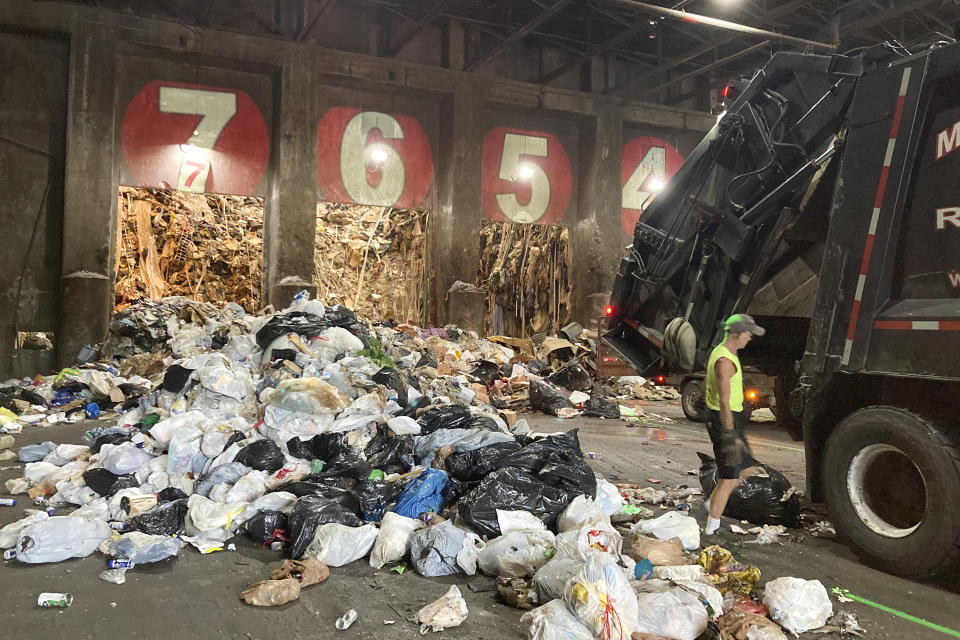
426	493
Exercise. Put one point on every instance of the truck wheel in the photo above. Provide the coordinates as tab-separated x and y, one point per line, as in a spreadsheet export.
785	418
693	400
892	480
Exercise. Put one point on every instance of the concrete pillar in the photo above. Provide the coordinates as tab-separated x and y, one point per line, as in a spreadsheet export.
454	45
455	227
595	252
90	194
291	205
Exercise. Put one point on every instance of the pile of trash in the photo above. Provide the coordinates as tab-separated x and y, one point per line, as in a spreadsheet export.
332	441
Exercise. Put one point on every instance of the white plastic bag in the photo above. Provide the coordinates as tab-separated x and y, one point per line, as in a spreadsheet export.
144	548
336	544
214	521
449	611
797	605
393	540
10	533
608	497
582	511
248	488
673	524
603	538
404	426
123	458
60	538
602	599
517	554
551	579
671	613
553	621
215	440
509	521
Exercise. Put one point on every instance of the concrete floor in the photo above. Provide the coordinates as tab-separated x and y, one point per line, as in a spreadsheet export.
197	596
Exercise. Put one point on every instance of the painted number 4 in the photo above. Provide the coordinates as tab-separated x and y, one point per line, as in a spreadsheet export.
216	109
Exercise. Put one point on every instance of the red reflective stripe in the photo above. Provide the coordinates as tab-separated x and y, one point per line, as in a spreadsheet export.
854	313
897	114
867	252
893	324
949	325
882	187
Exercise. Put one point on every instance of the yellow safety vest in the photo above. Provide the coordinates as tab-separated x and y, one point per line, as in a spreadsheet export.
736	381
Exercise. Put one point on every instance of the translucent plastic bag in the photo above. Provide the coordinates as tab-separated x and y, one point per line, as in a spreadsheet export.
211	520
673	524
124	458
248	488
393	540
10	532
608	497
143	548
798	605
671	613
517	554
581	512
337	544
602	599
61	538
553	621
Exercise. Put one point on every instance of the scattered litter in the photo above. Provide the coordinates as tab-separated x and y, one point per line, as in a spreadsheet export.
346	620
448	611
797	605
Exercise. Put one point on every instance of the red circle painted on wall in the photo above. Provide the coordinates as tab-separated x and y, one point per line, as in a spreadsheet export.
196	138
371	157
526	176
648	165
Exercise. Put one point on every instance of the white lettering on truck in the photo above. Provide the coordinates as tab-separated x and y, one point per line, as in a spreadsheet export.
948	140
948	214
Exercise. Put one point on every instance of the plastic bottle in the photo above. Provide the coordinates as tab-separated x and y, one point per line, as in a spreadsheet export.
121	563
119	526
9	554
8	502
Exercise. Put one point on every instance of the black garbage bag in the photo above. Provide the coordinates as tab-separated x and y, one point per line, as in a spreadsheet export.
175	378
378	442
458	489
557	461
483	422
110	438
428	359
572	377
263	455
759	499
32	397
302	449
349	465
546	399
165	519
299	322
267	526
444	416
170	494
511	490
486	371
309	512
345	497
600	407
328	446
393	379
106	483
398	456
376	498
476	464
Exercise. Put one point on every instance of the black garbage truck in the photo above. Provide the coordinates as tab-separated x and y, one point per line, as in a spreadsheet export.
826	203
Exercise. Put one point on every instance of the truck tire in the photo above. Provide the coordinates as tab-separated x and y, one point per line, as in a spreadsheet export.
786	420
693	400
891	480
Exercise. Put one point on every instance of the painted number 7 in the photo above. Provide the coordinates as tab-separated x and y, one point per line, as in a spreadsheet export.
217	108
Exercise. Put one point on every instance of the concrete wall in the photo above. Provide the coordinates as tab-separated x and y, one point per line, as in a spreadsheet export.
145	100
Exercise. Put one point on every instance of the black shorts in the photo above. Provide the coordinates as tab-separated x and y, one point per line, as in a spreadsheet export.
726	471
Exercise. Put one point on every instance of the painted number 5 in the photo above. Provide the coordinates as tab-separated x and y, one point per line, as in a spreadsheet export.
514	169
217	108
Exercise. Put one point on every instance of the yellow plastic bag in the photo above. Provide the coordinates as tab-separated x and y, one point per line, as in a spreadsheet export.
726	573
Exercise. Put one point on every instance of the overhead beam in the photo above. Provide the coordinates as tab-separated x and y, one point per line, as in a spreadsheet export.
704	69
518	34
438	8
878	18
308	26
716	23
613	42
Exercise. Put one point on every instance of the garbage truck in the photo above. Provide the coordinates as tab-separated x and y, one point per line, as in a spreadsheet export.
825	202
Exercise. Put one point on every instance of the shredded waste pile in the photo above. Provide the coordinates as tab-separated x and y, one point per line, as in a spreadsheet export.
335	441
202	246
372	260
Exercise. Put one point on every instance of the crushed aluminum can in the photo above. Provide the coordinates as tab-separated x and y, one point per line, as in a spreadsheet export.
347	619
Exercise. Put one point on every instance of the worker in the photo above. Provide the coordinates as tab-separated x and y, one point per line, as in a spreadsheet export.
725	417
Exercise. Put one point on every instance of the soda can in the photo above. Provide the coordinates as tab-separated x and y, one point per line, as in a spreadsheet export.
8	502
122	563
9	554
55	600
119	526
51	511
